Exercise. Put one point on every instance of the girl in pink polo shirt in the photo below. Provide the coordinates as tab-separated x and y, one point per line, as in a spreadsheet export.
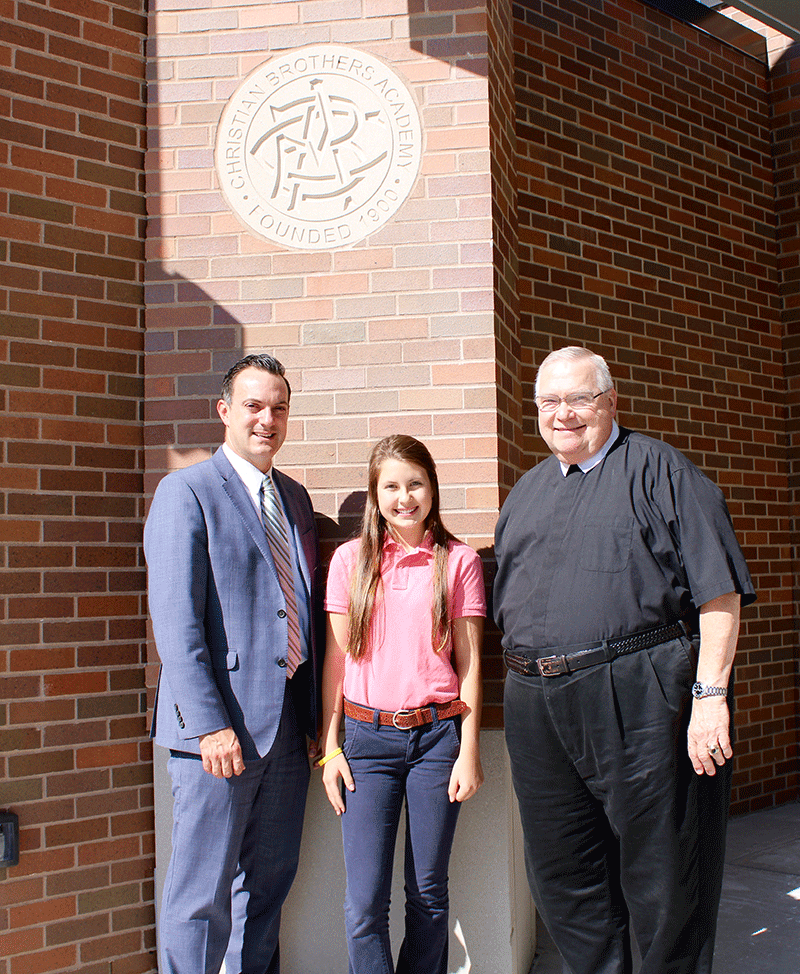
405	605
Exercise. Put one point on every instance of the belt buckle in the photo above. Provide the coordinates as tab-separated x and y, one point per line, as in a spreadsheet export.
553	665
401	714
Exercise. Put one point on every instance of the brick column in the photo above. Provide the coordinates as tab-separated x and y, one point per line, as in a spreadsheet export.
395	334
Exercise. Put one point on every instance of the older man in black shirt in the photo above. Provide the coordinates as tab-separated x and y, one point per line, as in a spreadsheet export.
618	591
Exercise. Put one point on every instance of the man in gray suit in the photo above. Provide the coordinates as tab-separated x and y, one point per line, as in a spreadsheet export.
232	554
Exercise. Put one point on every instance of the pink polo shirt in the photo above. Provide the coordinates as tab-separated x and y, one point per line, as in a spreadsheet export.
400	669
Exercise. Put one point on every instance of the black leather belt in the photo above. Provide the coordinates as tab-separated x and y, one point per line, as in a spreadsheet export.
609	649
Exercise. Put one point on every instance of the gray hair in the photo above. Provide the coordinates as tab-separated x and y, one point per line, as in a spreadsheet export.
573	353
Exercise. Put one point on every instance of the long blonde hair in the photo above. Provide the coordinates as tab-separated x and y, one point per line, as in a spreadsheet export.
366	578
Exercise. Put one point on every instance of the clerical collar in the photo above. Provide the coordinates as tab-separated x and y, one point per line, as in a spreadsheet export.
592	462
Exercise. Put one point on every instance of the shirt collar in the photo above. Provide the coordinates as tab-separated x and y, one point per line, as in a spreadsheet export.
390	544
250	476
592	462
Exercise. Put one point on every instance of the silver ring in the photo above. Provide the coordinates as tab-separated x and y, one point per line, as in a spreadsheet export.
712	750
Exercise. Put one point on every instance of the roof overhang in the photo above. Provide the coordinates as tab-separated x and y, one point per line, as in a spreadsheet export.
782	15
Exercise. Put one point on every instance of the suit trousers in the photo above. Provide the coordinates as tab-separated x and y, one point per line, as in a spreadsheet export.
235	848
388	767
620	834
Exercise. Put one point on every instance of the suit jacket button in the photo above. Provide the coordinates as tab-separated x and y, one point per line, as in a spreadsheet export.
282	663
281	613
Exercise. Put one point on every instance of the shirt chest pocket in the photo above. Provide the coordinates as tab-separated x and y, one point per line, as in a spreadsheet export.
605	543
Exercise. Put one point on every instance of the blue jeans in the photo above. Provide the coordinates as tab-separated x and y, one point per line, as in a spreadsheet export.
388	766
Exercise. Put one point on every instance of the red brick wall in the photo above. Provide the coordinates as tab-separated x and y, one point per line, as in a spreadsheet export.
74	761
647	231
785	102
641	223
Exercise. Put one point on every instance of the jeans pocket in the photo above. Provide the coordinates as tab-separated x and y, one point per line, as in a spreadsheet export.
454	729
351	734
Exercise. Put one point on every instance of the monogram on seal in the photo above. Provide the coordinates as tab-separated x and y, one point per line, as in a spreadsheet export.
319	148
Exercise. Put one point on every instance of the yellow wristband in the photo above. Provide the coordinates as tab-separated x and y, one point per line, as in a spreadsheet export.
327	757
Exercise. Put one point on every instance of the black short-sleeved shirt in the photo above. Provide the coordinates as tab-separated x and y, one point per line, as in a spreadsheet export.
634	543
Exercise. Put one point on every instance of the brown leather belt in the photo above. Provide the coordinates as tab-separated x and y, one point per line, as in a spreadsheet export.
405	719
607	650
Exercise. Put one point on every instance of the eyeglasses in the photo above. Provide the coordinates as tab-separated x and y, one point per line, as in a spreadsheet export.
576	400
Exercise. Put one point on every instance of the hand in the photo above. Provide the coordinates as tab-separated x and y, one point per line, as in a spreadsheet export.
709	728
314	751
334	771
465	778
221	753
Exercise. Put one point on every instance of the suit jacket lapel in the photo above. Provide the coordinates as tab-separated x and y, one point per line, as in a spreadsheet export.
242	502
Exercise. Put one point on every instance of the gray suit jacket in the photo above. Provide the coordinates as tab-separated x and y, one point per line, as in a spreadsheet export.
217	607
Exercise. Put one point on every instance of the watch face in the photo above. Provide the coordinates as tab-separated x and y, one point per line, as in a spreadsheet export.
697	689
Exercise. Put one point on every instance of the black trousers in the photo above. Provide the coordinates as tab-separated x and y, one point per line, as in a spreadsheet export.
620	834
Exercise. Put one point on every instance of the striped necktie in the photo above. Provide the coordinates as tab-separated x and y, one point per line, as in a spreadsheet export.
275	528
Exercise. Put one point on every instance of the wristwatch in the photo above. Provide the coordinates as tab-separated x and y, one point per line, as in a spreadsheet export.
704	690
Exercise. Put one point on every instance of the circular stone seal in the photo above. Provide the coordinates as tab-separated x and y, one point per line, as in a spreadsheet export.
318	148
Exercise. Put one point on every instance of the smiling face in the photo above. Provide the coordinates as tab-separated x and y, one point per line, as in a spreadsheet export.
405	497
575	435
256	417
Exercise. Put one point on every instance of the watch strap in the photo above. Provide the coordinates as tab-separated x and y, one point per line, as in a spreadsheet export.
704	690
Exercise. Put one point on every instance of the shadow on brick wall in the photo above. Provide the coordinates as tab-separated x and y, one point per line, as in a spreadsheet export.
456	37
